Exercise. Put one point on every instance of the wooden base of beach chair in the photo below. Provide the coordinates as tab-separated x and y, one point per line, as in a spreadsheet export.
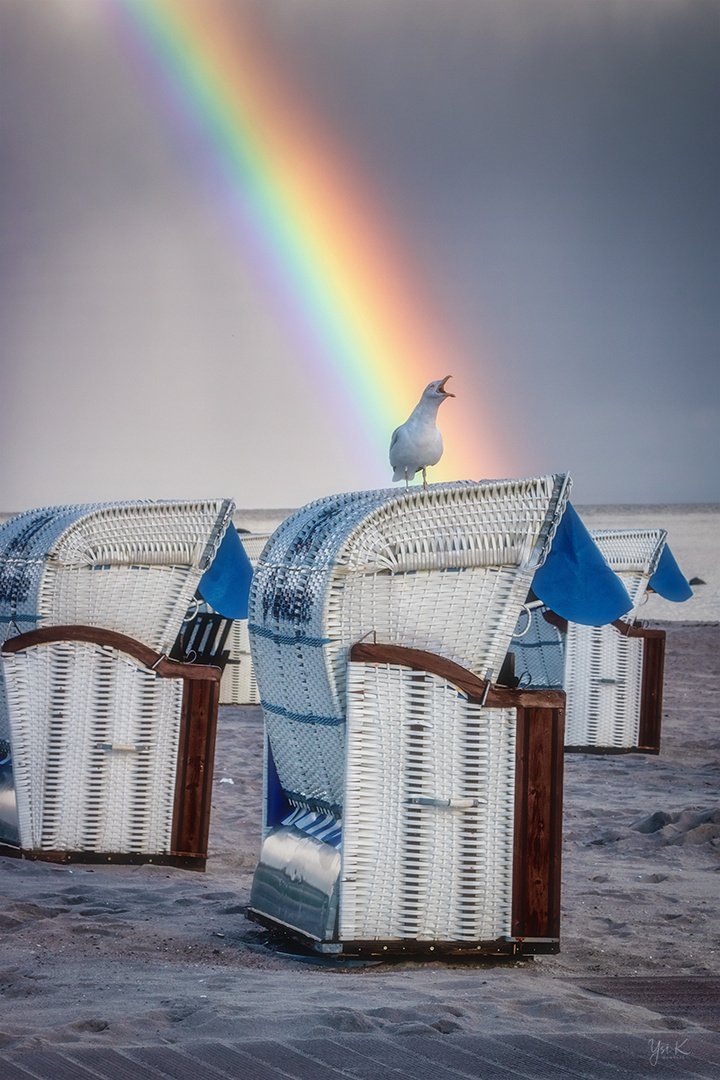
95	858
80	777
505	949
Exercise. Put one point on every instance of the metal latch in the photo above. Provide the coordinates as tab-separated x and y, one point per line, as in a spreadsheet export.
456	804
128	748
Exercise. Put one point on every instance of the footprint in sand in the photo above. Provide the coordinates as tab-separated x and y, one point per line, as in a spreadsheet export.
691	826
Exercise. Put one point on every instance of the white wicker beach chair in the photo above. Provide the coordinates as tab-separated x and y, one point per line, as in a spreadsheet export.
411	803
111	743
239	686
614	674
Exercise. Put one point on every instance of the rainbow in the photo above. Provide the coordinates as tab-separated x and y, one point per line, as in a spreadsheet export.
327	255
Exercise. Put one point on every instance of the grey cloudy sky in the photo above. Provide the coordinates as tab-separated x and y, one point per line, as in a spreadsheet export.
553	164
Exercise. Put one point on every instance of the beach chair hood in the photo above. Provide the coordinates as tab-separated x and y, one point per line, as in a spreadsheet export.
576	581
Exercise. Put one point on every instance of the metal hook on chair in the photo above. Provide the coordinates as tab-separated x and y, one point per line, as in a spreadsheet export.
528	608
188	616
488	679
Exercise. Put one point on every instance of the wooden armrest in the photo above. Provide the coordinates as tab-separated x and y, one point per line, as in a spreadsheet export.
476	689
96	635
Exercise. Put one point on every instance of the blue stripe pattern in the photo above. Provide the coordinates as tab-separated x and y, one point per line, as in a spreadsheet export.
323	827
288	639
303	718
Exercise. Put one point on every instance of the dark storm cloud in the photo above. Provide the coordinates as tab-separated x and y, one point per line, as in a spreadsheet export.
558	167
554	165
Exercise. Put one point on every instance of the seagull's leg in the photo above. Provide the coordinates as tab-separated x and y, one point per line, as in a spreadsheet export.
424	480
407	482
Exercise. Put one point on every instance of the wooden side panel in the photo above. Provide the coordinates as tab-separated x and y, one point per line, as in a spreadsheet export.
538	822
196	753
653	674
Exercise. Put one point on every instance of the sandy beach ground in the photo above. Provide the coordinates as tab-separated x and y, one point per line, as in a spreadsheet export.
122	956
128	955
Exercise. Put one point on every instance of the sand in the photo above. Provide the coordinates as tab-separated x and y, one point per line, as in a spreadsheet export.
124	956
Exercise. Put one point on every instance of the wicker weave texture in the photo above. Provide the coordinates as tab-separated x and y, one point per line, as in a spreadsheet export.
425	872
128	567
634	555
445	570
603	683
254	544
146	603
55	560
95	742
539	650
466	615
239	685
631	550
603	669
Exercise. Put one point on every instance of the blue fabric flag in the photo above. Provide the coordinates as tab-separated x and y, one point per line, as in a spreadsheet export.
668	581
575	581
225	585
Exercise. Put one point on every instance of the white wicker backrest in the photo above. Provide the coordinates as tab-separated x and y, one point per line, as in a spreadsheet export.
130	567
445	570
634	555
254	544
88	564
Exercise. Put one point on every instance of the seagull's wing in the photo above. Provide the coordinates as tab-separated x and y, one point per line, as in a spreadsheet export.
394	438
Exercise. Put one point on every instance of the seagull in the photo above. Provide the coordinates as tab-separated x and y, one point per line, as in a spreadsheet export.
417	443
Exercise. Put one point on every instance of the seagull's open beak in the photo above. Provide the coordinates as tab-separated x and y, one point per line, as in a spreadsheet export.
441	387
